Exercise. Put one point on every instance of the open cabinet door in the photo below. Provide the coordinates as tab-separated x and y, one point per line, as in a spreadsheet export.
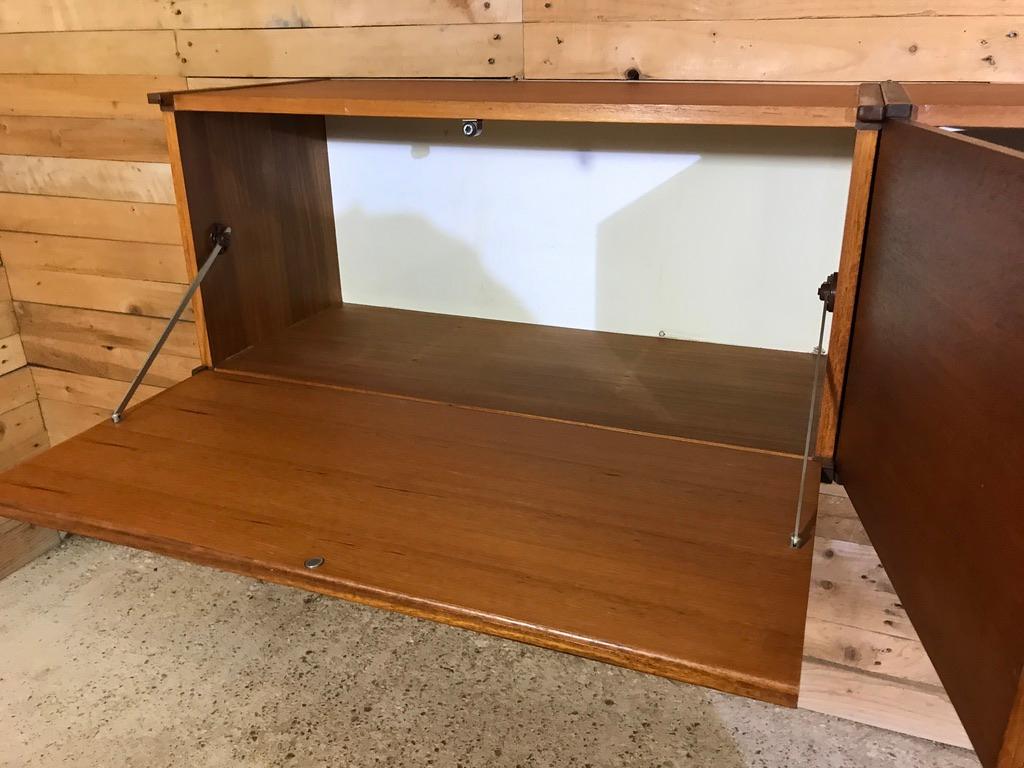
931	436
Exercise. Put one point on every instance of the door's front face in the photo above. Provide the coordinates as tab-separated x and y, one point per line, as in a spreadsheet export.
931	437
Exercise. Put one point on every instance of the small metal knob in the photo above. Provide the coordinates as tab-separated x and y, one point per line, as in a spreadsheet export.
313	563
472	128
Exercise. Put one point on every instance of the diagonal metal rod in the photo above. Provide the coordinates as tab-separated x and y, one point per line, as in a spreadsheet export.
795	540
221	239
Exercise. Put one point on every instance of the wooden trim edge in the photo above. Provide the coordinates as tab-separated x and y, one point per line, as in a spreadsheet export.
630	658
862	173
185	224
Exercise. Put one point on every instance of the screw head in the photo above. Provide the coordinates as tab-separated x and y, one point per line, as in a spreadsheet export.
313	562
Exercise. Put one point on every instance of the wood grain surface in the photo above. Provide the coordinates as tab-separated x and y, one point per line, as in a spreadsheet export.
634	102
660	555
929	441
739	396
266	176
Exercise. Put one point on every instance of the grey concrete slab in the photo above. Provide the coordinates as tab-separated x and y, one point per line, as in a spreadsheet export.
113	657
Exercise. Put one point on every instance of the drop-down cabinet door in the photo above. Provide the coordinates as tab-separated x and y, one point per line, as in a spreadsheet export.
931	435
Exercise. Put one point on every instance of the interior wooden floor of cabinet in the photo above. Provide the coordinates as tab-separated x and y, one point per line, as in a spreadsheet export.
434	497
745	396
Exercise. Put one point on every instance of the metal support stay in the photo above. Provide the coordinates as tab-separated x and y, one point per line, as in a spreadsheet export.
827	294
221	238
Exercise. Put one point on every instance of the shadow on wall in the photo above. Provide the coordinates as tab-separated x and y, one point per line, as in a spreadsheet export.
421	277
732	249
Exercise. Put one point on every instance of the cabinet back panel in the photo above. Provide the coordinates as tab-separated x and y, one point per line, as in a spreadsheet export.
705	233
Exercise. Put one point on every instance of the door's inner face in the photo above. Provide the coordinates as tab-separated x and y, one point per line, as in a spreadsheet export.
930	444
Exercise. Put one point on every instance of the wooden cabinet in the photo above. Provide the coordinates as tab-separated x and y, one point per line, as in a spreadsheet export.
624	498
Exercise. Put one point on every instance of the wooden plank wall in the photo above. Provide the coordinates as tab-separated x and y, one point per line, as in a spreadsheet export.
90	241
22	434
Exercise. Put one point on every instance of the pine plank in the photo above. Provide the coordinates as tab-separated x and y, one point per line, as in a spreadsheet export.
229	14
65	16
701	10
83	137
201	83
16	389
8	320
23	543
922	711
110	294
834	489
80	217
107	328
92	358
12	354
60	15
94	179
20	424
869	49
664	556
113	258
90	53
850	587
64	420
837	519
62	96
849	646
787	104
732	395
78	389
462	50
16	453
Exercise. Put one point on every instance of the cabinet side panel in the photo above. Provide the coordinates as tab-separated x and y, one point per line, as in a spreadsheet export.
859	198
266	176
185	222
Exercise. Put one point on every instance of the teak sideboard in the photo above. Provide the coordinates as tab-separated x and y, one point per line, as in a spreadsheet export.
624	498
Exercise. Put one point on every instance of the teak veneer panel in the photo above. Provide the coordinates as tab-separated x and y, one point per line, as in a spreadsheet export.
724	394
858	201
968	105
930	445
660	555
267	177
628	102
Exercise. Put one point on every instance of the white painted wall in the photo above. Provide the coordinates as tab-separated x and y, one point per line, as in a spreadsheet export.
716	234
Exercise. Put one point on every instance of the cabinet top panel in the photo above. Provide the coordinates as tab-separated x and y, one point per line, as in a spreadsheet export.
778	104
968	105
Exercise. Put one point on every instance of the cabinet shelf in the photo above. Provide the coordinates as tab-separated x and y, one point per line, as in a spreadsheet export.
739	396
661	555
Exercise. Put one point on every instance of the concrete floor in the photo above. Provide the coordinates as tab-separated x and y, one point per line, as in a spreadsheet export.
112	657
